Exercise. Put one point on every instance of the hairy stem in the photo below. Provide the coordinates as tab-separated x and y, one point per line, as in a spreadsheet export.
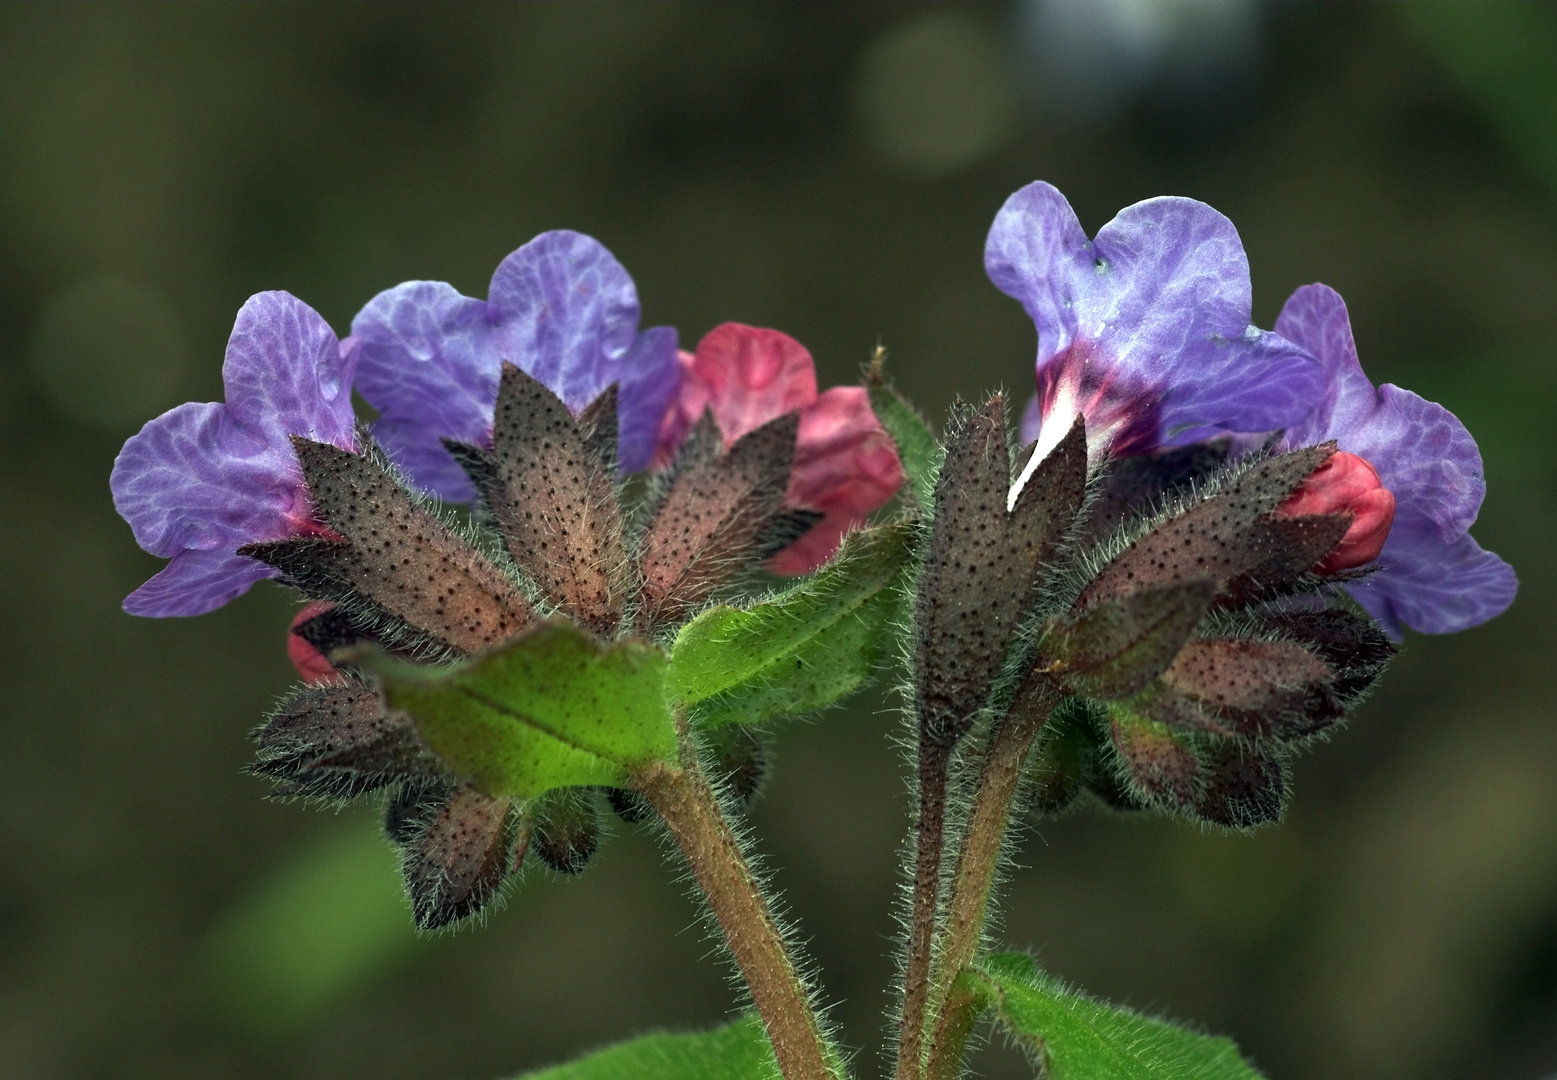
692	814
958	1014
934	763
977	860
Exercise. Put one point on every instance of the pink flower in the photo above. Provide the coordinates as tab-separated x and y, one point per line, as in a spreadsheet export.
846	465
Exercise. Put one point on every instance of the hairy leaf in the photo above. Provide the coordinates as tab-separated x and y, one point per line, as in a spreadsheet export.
983	566
393	555
554	499
1219	537
801	650
712	522
553	708
917	448
1118	646
738	1051
1075	1037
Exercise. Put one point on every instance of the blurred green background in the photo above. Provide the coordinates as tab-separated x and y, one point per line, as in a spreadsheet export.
830	170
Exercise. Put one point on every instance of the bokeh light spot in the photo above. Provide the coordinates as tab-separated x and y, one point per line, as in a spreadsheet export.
934	94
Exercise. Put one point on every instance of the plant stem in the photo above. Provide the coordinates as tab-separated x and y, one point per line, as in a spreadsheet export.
934	763
962	1009
692	814
977	860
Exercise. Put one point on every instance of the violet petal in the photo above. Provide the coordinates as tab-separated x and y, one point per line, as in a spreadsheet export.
203	479
196	582
1160	301
1433	587
429	368
1433	577
561	308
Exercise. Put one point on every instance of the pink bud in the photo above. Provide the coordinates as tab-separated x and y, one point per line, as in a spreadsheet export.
311	664
1347	484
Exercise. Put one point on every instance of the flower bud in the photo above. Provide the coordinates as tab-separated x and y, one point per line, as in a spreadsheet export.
567	831
1346	484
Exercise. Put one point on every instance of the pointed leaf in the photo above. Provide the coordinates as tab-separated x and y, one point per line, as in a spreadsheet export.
393	556
712	522
1117	647
552	708
738	1051
983	566
801	650
917	447
554	498
1212	537
1075	1037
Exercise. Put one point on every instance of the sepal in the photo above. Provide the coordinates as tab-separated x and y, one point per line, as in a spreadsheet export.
713	518
981	572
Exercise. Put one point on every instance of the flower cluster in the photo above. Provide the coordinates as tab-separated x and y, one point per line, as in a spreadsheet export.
203	480
1144	331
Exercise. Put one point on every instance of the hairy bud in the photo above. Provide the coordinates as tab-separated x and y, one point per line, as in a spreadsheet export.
1159	765
1245	786
338	741
457	855
567	830
742	761
1063	757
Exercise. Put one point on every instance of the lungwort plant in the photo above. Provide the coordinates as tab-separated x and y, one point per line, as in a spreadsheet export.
1195	555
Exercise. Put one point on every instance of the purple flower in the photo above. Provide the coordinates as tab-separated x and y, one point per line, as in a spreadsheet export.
561	308
201	480
1433	577
1145	331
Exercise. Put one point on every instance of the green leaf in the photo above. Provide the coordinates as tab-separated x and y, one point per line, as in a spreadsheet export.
553	708
803	649
1076	1037
738	1051
917	447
